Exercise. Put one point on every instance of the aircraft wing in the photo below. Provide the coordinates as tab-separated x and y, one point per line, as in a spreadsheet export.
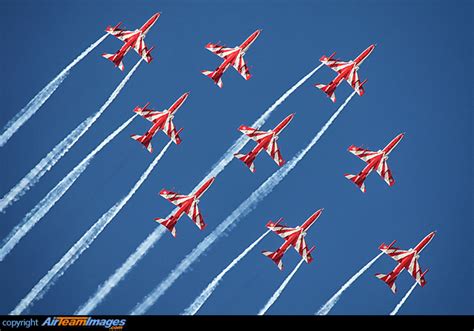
274	152
363	154
335	65
175	198
142	50
195	214
415	271
171	132
280	229
241	67
355	83
302	249
219	50
384	171
254	134
149	114
394	252
122	35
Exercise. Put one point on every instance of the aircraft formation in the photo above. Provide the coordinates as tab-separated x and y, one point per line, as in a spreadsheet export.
267	140
264	141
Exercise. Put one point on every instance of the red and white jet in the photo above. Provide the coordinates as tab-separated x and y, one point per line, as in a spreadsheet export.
232	57
187	204
406	260
131	39
293	237
375	160
265	140
346	71
161	121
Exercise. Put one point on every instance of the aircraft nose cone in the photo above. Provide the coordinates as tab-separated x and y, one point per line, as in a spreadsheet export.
211	180
289	118
257	33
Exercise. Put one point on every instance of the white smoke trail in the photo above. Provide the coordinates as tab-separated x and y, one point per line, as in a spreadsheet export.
262	119
38	212
39	99
400	304
105	288
241	211
202	298
38	291
60	150
326	308
280	290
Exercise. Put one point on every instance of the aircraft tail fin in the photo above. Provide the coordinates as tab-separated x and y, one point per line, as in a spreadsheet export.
142	140
275	257
389	280
169	224
329	90
115	59
358	180
247	159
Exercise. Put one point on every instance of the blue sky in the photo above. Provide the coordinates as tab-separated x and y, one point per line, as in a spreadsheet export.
419	83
